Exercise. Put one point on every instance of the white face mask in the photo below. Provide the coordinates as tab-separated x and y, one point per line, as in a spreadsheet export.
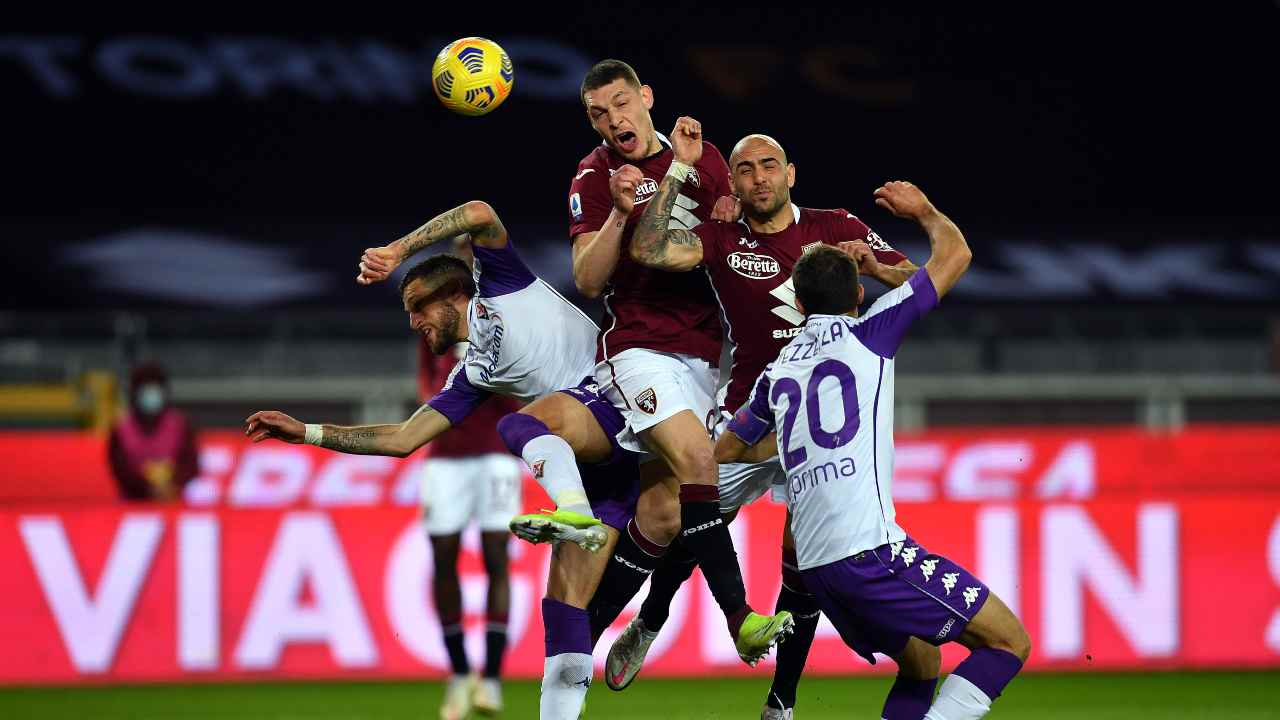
150	399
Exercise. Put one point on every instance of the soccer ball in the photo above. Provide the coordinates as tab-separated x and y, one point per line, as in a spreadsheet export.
472	76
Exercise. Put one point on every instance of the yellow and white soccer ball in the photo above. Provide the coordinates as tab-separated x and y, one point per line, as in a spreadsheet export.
472	76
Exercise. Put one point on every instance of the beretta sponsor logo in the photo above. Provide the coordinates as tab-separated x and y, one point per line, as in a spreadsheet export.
757	267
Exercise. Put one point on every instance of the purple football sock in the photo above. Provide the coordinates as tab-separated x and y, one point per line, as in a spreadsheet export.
909	699
989	669
568	629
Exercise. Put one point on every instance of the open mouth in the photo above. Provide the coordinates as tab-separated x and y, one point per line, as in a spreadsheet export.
627	141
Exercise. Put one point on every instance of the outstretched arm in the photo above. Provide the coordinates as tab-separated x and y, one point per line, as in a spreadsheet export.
949	253
475	218
399	440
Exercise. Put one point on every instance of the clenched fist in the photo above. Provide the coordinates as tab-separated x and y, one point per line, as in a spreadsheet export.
377	263
266	424
623	187
686	140
904	200
727	209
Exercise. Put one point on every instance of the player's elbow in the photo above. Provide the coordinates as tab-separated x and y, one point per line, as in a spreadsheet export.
400	445
479	213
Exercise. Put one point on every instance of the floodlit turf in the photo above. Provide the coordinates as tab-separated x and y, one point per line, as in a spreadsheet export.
1217	696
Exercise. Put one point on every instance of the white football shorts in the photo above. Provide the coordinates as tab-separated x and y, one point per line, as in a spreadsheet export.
456	491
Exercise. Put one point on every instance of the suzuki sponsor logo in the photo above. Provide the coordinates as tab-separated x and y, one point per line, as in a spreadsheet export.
751	265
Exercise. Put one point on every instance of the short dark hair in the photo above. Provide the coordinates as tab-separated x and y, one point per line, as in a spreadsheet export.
441	272
826	281
605	72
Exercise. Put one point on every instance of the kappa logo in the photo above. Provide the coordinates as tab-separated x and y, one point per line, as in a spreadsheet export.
538	466
894	549
970	597
751	265
806	248
945	628
909	555
749	243
949	581
927	567
648	401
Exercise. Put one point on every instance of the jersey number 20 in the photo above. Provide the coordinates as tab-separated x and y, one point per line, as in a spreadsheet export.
789	388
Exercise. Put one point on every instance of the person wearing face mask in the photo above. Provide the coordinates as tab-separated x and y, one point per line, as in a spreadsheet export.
152	448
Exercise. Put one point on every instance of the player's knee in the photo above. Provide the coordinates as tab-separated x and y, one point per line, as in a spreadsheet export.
1017	642
695	463
660	522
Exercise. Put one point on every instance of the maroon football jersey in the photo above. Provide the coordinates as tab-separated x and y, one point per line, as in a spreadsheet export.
477	434
653	309
751	274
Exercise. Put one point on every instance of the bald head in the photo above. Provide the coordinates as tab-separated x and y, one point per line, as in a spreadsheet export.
757	142
762	180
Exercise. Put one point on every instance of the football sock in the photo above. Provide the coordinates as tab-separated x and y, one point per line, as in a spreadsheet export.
453	640
793	653
566	673
908	699
549	458
707	537
675	569
495	646
633	560
967	693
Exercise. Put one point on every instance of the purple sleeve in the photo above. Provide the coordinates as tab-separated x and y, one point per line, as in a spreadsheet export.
500	271
754	419
888	319
458	397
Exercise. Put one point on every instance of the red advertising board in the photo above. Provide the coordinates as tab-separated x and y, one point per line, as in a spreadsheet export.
113	593
1005	464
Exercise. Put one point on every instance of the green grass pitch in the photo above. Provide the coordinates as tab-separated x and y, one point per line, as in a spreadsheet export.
1156	696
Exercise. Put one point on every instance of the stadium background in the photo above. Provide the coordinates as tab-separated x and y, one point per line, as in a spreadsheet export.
1091	424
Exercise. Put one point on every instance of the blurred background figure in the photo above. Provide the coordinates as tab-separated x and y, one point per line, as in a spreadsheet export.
152	448
469	475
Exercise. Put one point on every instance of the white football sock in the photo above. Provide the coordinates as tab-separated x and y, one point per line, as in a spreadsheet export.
557	473
959	699
565	679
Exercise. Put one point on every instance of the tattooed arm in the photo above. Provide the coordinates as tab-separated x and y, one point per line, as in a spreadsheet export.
395	440
476	219
653	245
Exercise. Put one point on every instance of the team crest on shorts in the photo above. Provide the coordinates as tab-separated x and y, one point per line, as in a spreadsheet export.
482	311
648	401
537	469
